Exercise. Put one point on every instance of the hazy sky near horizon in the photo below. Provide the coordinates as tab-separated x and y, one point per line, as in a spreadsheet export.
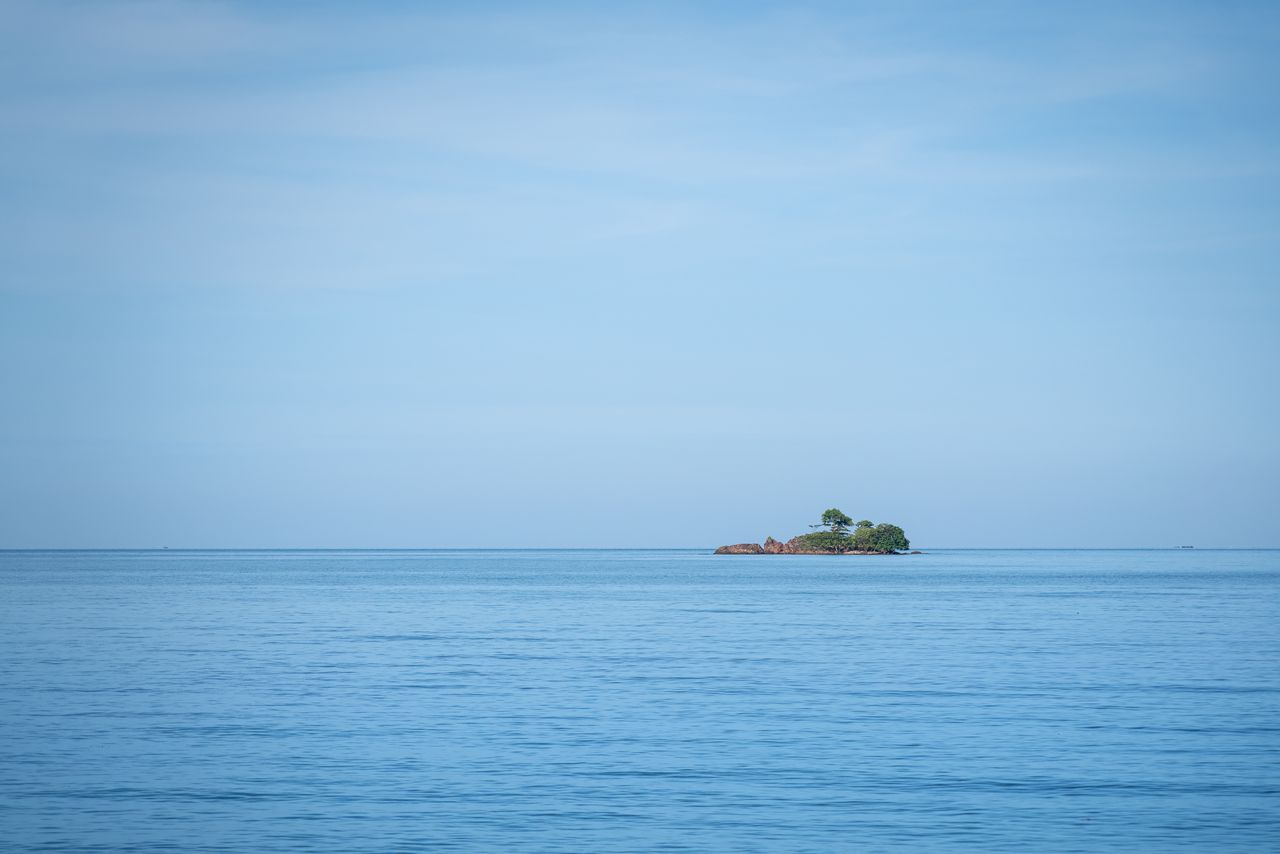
400	274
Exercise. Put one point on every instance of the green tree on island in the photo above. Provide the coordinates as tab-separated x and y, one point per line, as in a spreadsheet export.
865	537
836	521
880	538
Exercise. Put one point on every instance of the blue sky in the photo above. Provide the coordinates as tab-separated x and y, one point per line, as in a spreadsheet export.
653	275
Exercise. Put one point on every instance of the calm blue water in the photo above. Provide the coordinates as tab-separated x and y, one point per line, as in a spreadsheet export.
625	701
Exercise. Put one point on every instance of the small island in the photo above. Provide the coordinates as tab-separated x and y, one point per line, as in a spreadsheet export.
842	537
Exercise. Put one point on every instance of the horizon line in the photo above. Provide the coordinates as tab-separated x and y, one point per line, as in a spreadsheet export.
597	548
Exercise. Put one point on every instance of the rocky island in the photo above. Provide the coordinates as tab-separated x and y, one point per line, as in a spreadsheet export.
842	537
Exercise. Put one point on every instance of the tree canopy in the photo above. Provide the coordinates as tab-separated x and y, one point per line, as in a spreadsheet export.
834	520
889	538
865	537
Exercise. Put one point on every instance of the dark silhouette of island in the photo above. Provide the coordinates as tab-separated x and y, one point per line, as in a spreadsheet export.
842	537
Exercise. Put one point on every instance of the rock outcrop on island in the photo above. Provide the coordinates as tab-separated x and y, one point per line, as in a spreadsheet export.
741	549
800	546
863	538
796	546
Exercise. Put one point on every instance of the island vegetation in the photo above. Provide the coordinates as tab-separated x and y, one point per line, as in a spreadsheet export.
838	535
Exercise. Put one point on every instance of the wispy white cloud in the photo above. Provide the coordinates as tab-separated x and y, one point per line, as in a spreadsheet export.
276	144
78	41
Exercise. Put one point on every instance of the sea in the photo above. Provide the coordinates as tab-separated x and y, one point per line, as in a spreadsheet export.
611	701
